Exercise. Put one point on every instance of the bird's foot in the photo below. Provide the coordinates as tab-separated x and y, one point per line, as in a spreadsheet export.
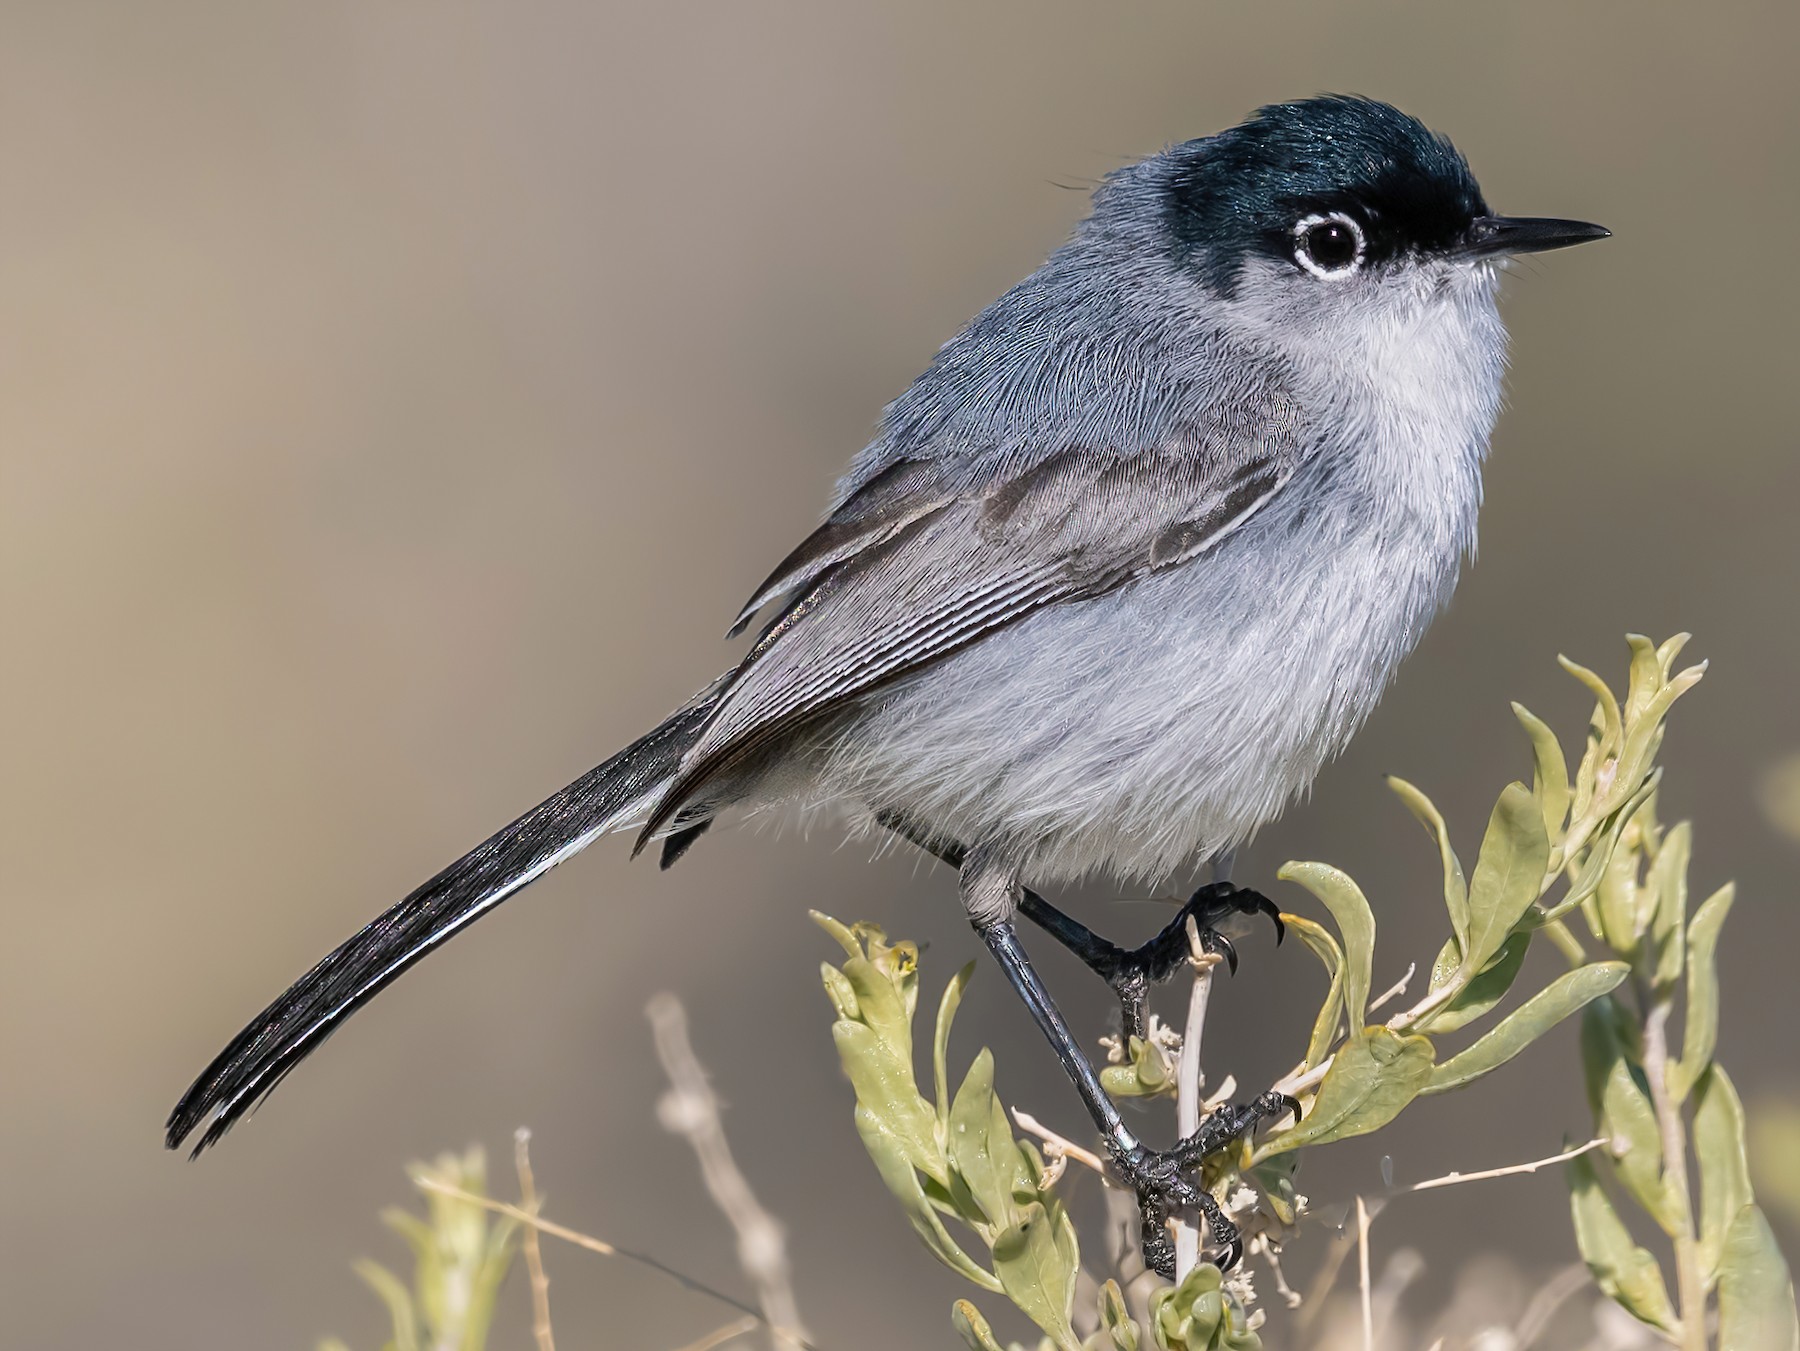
1162	1181
1131	972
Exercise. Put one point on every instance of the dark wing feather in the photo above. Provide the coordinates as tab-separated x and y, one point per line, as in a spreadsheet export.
1077	525
874	513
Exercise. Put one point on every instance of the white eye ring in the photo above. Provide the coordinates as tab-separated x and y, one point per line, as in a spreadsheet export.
1303	254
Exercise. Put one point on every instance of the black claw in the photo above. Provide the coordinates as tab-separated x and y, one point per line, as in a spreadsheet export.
1234	1253
1222	945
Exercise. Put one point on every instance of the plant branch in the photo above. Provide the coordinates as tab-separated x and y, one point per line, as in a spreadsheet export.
534	1255
690	1109
1690	1285
1189	1105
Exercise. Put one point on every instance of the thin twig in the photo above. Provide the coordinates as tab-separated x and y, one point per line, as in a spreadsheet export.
1394	991
1362	1262
1456	1179
534	1254
1059	1146
1189	1105
690	1109
1690	1284
592	1244
719	1336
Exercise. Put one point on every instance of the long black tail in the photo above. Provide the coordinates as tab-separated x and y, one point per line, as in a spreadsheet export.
282	1035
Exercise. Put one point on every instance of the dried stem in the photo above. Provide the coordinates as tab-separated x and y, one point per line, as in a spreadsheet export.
1189	1104
1690	1285
534	1255
690	1109
592	1244
1362	1267
1456	1179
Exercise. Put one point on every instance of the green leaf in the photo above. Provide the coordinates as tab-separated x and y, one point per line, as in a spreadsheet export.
1645	734
398	1299
1756	1293
940	1041
838	930
1623	1113
1606	713
981	1144
1599	853
1700	1037
1326	949
1626	1273
1355	921
1668	886
886	1091
1456	891
975	1332
1115	1319
839	992
1275	1177
1036	1259
1525	1024
1371	1079
896	1169
1550	771
1146	1072
1509	875
1646	678
1719	1145
1486	990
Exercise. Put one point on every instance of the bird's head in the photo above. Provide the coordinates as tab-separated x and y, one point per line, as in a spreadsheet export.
1323	210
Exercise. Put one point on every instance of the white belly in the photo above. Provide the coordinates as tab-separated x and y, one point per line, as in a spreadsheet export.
1136	734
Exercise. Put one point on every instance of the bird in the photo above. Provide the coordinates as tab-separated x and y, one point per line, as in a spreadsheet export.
1118	574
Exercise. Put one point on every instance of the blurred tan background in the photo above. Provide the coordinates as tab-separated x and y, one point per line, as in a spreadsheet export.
397	400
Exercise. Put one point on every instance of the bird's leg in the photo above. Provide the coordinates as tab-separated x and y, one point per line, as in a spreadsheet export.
1161	1178
1130	972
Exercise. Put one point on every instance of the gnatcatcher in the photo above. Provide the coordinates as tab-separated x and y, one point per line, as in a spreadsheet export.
1122	569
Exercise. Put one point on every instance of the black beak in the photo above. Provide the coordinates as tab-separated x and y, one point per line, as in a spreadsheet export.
1494	236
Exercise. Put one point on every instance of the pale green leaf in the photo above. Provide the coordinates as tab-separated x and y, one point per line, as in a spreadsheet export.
940	1041
1486	990
1036	1259
839	992
1330	1016
1700	1036
398	1299
886	1090
838	930
896	1169
1667	884
1146	1072
1456	890
1646	678
1625	1272
1525	1024
1550	771
1599	853
1116	1322
1355	922
1644	735
972	1327
1756	1293
1623	1113
1606	714
1275	1178
981	1144
1719	1145
1371	1079
1508	877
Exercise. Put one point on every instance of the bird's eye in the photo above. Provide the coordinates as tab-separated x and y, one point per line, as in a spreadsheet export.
1328	246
